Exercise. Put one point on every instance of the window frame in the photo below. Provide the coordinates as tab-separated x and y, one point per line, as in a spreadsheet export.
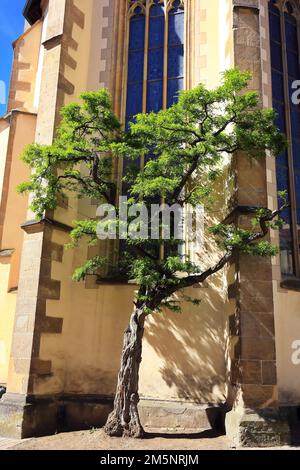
146	5
281	5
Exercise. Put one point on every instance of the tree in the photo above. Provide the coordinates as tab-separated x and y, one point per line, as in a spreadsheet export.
184	149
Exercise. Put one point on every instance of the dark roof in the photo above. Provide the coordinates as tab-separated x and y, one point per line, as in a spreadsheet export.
32	11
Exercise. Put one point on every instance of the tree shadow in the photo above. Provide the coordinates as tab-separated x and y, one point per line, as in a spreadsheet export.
190	349
185	356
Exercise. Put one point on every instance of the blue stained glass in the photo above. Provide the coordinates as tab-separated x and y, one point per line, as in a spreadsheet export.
275	27
155	64
156	58
291	36
272	7
276	56
282	159
157	9
283	185
176	5
286	216
157	32
282	163
135	66
155	96
282	178
175	53
175	85
135	77
280	118
134	99
293	65
176	62
297	188
137	32
295	118
296	156
176	28
277	85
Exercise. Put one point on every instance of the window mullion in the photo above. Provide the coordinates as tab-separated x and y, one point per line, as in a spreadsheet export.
146	53
166	45
292	190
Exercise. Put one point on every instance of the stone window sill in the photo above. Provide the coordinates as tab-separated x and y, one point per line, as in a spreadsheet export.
292	283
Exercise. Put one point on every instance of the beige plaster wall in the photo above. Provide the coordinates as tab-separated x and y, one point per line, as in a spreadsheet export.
24	70
13	210
16	132
7	311
287	322
4	136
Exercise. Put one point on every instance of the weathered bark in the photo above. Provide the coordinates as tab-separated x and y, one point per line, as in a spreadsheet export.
124	419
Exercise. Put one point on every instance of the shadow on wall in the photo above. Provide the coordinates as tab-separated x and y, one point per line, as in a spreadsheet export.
190	350
185	355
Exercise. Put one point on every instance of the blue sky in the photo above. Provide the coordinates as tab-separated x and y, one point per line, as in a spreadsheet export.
11	26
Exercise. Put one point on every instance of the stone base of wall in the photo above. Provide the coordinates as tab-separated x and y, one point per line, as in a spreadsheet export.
20	419
180	418
259	428
23	417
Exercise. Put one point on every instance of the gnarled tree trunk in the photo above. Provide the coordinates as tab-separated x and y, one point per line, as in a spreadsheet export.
124	419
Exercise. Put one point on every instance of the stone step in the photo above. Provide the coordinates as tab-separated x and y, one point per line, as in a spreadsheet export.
180	417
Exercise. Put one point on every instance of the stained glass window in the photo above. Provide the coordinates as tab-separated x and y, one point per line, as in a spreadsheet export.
285	70
175	51
155	61
155	55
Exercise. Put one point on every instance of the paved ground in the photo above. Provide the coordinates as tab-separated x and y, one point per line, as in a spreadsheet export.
6	444
97	440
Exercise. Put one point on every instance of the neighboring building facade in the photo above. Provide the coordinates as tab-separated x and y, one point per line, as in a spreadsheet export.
60	342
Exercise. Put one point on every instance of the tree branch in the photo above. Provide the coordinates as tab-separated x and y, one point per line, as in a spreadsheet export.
228	256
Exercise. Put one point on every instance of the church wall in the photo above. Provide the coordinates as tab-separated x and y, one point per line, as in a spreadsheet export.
13	213
8	305
73	335
24	69
85	356
67	337
4	136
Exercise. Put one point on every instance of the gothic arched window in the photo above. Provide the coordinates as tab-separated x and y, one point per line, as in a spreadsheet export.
284	44
175	51
155	55
135	77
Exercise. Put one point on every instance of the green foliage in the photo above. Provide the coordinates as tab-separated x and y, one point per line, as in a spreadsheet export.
79	160
185	147
83	228
91	267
